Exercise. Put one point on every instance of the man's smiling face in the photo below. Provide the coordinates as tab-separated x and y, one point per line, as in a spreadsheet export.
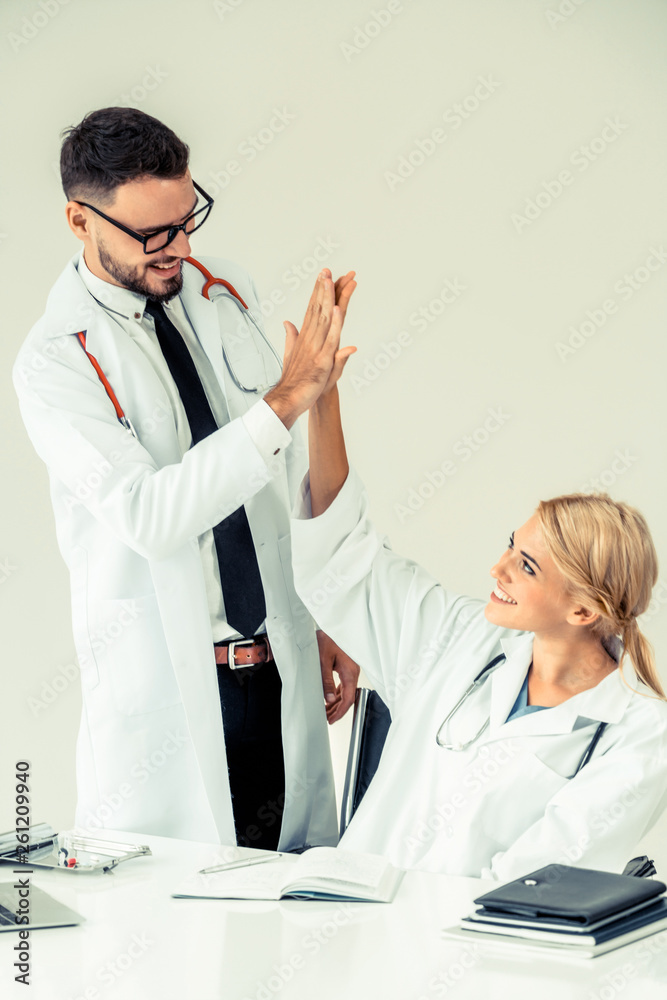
144	205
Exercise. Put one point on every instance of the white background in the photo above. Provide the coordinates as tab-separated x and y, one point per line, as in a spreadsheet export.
362	96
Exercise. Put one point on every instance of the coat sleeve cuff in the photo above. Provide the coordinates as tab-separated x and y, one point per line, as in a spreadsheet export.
340	517
266	429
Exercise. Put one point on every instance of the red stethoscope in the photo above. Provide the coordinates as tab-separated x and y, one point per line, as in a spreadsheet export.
209	283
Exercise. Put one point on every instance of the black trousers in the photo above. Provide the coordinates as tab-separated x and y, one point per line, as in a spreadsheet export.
250	699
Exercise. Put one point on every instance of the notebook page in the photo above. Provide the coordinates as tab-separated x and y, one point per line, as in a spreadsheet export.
349	867
263	881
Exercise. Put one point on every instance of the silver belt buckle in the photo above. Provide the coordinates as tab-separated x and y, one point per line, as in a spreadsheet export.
231	653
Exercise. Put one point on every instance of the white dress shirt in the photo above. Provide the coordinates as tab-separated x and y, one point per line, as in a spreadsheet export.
267	431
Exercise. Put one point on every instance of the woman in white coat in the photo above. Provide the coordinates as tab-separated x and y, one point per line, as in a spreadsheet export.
559	754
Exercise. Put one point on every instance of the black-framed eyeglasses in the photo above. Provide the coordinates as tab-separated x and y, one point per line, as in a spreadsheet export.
152	242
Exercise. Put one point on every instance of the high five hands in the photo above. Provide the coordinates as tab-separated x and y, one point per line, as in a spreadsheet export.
314	359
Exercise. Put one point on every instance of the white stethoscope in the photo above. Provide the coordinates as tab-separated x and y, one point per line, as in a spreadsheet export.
208	284
481	677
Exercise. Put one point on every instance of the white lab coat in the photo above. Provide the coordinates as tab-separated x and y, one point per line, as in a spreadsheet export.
151	751
505	806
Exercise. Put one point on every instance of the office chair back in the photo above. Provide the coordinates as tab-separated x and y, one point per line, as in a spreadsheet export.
369	731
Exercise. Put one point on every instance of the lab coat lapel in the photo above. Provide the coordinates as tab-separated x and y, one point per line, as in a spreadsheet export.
608	701
506	680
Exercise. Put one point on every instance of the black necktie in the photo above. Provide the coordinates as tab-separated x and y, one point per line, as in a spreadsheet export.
242	588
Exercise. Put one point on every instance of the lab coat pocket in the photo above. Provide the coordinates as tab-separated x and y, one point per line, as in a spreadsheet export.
503	771
133	656
300	616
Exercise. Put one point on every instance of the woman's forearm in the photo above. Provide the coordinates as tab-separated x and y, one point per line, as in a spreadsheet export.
326	447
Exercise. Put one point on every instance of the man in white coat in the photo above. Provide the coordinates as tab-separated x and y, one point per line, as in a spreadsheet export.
172	473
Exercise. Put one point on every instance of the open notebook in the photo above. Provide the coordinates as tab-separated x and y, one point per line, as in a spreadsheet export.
318	873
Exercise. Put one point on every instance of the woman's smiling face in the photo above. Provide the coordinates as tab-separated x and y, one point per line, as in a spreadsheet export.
530	594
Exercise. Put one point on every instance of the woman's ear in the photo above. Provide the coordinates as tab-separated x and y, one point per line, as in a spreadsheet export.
582	616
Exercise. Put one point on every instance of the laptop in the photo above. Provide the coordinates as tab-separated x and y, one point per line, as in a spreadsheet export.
44	910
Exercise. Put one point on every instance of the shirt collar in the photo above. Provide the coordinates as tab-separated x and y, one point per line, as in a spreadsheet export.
606	702
113	298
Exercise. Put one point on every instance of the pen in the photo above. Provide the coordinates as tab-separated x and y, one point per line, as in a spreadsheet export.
240	863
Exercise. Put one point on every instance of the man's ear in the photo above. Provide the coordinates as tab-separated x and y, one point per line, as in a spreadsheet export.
582	616
78	219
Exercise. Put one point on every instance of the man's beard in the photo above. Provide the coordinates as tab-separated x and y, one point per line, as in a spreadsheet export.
129	277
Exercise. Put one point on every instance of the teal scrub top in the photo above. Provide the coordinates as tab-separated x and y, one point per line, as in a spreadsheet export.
521	706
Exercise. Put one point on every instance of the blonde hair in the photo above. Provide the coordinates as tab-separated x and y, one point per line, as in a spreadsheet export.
605	552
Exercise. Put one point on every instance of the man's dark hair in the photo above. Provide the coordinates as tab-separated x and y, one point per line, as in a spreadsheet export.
115	145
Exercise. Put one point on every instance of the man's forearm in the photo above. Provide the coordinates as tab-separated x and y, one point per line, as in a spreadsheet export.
326	445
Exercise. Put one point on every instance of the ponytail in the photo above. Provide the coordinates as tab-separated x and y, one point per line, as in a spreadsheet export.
640	651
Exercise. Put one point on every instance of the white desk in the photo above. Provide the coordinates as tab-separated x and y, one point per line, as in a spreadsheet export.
140	944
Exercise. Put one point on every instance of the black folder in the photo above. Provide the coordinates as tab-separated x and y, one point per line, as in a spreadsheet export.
571	896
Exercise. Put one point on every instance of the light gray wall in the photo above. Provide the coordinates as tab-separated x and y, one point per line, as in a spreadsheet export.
518	94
